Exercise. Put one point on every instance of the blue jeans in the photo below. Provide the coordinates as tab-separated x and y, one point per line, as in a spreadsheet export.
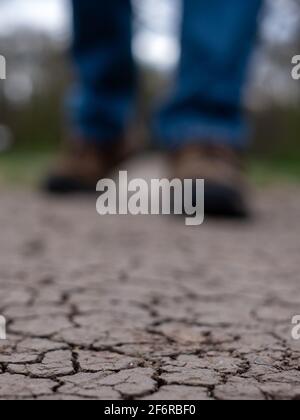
206	103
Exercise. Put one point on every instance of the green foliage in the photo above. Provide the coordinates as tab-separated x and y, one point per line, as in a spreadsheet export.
278	134
19	168
23	169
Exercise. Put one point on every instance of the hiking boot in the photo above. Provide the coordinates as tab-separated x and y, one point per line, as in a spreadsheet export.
81	166
223	170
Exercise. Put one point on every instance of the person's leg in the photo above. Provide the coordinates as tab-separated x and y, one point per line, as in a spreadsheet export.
203	123
217	39
102	101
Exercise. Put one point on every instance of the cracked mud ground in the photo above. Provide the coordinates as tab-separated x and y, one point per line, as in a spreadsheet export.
145	308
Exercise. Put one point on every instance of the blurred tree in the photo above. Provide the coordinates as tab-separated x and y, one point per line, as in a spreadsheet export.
31	97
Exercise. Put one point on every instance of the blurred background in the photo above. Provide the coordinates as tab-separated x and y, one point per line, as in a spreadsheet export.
34	38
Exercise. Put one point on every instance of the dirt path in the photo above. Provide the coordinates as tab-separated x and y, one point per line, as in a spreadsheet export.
145	307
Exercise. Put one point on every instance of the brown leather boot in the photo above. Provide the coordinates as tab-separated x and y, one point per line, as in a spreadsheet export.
81	166
223	170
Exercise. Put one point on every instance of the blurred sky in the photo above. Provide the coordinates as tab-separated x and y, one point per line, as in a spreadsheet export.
155	42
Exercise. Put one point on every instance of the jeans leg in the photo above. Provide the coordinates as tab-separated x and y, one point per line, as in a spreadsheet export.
101	102
217	38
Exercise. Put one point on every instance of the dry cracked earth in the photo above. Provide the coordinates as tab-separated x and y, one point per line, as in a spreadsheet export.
145	308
